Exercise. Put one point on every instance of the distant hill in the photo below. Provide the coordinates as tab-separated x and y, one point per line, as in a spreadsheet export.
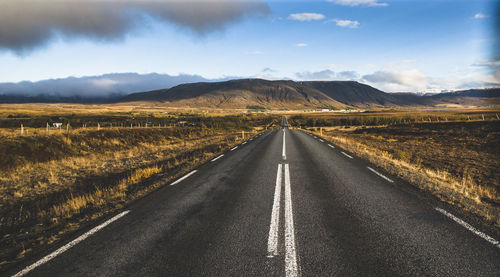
244	93
287	94
270	94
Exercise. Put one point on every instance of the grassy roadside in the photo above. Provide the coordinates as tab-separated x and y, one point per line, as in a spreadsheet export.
455	161
53	184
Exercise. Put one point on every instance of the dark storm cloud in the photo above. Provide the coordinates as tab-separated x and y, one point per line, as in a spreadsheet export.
27	24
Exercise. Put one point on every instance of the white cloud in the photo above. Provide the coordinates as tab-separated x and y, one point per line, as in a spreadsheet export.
301	44
411	80
268	70
345	23
327	74
306	16
369	3
487	63
480	16
402	80
104	82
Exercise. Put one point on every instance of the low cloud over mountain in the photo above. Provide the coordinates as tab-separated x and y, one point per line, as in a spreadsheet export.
103	86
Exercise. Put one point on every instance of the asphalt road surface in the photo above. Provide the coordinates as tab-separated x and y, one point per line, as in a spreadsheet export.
283	204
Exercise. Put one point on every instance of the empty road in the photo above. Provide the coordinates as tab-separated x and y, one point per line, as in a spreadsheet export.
283	204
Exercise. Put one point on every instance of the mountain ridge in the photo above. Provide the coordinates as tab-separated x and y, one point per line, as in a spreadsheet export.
276	94
241	93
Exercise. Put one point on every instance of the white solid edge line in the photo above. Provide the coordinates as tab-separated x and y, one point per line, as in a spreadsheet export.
469	227
214	159
291	266
379	174
283	152
185	176
234	148
69	245
331	146
321	140
272	241
347	155
244	142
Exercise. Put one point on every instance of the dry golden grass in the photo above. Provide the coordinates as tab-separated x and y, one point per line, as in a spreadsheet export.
419	161
53	182
43	199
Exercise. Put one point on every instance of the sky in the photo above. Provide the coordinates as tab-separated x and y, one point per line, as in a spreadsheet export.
393	45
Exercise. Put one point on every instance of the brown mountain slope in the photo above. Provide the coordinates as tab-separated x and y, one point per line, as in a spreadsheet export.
270	94
355	94
285	94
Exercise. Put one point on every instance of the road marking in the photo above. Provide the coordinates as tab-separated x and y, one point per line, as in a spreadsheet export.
321	140
291	266
214	159
347	155
244	142
69	245
234	148
331	146
469	227
272	241
283	152
185	176
379	174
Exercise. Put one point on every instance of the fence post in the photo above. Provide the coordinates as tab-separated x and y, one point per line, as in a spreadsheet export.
22	129
497	116
483	116
47	128
98	126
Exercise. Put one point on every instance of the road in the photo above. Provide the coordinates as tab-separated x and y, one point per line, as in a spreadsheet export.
283	204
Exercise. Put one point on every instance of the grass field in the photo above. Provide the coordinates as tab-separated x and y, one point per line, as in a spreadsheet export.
453	154
54	182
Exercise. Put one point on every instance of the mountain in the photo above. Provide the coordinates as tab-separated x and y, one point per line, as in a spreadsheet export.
238	93
269	94
286	94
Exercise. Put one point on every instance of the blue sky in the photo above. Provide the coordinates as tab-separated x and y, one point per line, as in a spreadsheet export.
393	45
